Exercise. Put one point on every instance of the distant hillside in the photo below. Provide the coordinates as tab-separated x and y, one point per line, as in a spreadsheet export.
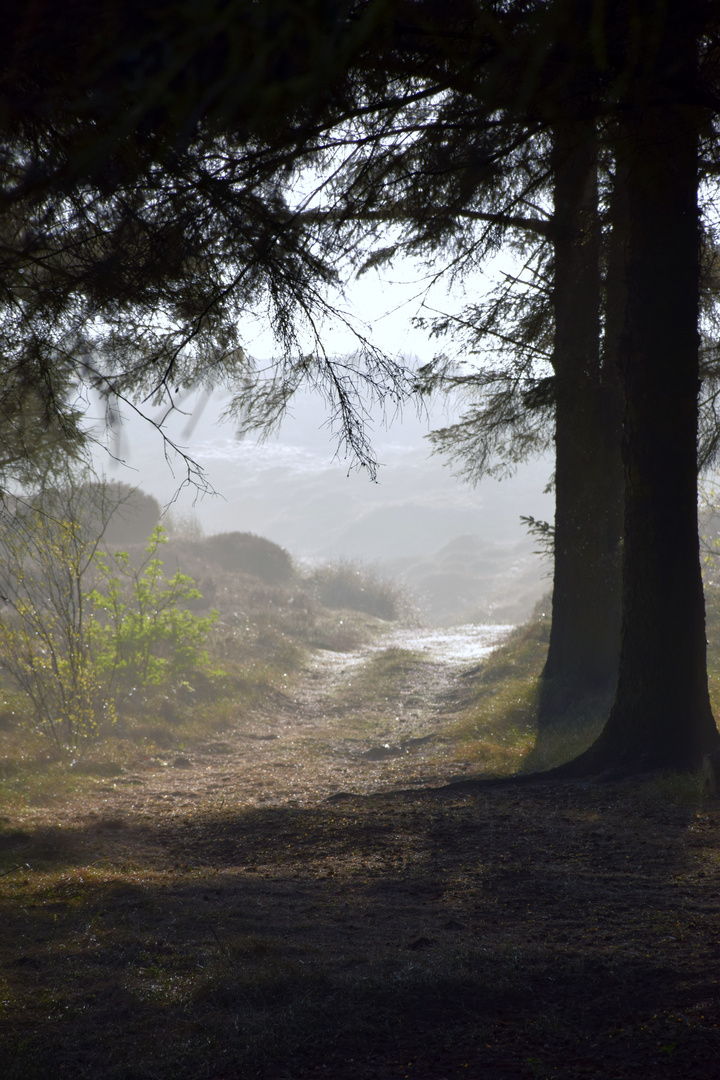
474	580
293	491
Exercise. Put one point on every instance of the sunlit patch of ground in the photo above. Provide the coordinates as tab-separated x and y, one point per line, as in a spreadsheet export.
468	644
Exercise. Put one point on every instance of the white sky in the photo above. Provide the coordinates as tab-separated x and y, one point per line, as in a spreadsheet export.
382	304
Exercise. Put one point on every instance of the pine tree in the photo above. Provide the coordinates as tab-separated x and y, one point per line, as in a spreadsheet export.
439	126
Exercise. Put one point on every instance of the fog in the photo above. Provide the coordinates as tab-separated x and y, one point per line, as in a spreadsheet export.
462	551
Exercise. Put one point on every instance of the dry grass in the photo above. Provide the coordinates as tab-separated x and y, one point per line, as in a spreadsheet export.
354	586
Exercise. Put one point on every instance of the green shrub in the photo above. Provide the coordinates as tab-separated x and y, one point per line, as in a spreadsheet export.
44	558
79	629
141	632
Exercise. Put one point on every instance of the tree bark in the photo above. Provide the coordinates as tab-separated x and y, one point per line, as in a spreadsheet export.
661	717
581	668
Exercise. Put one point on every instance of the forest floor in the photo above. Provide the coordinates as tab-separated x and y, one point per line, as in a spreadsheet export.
298	896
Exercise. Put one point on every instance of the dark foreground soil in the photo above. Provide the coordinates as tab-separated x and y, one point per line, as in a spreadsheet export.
255	910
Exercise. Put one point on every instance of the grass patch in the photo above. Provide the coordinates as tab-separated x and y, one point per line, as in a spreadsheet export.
497	722
392	670
344	630
497	726
375	693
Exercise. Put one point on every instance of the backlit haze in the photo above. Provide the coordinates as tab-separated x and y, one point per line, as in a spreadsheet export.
463	551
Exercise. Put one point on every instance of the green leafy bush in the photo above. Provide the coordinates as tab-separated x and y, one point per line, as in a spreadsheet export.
141	632
44	558
79	628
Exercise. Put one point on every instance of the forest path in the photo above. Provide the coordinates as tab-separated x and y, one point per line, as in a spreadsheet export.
360	721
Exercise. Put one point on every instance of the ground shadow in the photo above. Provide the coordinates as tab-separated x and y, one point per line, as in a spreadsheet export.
563	931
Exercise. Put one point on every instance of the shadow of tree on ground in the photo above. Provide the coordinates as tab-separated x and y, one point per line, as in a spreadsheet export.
564	931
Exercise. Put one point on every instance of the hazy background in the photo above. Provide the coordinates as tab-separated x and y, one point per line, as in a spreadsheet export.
463	551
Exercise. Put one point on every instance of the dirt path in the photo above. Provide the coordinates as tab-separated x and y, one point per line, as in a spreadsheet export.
343	726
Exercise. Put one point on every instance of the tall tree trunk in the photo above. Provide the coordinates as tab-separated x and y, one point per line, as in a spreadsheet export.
581	668
612	480
661	717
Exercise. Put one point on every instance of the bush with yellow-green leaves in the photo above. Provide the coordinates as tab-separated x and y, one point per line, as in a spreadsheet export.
81	629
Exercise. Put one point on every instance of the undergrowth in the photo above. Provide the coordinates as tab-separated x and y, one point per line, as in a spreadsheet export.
257	642
355	586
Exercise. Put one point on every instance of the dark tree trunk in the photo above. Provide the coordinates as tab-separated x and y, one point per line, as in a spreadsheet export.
661	717
581	668
613	479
